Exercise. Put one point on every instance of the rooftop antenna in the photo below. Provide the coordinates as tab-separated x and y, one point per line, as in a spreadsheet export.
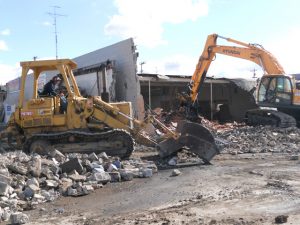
54	14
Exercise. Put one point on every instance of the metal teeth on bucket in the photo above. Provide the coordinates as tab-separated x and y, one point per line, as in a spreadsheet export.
195	138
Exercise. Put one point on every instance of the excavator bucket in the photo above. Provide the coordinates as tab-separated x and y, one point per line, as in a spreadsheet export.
193	137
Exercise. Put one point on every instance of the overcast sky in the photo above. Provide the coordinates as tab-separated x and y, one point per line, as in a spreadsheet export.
169	34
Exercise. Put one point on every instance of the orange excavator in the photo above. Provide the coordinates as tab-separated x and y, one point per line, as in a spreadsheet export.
278	94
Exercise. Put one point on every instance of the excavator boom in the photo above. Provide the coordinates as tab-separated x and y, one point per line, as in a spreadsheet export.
252	52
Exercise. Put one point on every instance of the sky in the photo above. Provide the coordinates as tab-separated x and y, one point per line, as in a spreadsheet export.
169	34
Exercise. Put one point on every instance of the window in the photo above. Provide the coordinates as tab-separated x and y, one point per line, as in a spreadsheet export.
262	89
283	85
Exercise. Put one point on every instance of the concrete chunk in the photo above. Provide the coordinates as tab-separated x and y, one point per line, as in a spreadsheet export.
33	181
4	189
72	192
77	177
87	189
17	168
126	175
175	172
72	164
145	172
54	153
93	157
65	184
115	177
51	183
35	166
102	177
18	218
30	190
5	179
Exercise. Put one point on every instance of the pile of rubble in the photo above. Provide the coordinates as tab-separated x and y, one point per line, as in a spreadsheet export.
27	180
260	139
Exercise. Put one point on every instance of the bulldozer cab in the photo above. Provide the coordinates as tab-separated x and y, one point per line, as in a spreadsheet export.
42	109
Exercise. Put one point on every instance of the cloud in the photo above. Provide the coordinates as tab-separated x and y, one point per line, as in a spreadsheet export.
3	46
144	19
9	72
286	49
178	64
223	66
47	23
5	32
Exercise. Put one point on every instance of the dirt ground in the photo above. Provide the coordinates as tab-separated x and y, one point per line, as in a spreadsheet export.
244	189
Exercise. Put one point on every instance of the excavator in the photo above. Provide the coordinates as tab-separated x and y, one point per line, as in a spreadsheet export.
90	124
276	90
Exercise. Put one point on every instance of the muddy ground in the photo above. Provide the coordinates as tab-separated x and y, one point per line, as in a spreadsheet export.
244	189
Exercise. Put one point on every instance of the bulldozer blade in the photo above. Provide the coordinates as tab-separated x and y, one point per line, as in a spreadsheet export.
194	137
194	129
168	147
204	149
197	139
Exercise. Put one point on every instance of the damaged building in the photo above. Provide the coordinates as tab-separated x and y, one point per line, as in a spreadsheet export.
221	99
111	72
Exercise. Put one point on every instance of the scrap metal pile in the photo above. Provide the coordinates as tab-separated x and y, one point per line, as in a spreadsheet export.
27	180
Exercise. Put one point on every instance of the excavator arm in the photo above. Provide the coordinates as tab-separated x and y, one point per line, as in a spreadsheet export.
252	52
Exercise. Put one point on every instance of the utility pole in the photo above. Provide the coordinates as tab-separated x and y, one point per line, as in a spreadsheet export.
55	15
254	74
211	98
142	63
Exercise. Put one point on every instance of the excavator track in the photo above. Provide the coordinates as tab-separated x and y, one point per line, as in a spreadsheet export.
115	142
269	117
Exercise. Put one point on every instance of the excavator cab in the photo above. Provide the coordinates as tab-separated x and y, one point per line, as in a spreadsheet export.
275	91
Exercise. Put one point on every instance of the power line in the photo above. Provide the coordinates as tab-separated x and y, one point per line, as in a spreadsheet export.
54	14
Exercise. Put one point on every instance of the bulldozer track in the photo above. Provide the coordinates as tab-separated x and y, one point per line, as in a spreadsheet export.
85	137
270	117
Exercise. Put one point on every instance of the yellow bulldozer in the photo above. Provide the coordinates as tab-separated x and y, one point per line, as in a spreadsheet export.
91	124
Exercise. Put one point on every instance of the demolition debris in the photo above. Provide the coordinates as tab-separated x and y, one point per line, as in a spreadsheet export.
27	180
